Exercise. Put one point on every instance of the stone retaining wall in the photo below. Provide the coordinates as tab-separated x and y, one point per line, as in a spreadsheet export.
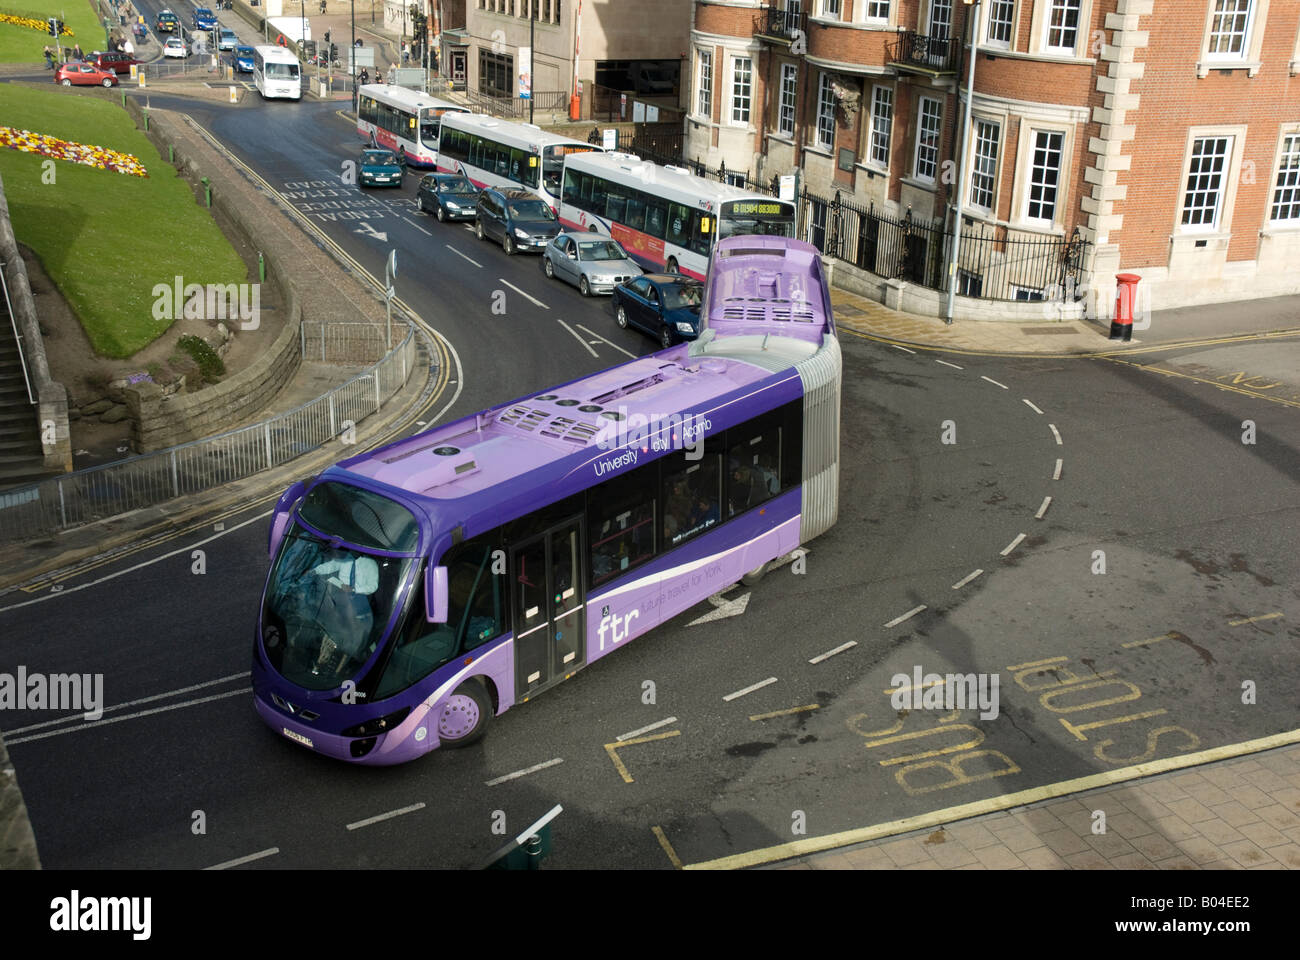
159	422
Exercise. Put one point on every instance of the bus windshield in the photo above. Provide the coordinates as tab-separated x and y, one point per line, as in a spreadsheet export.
281	71
328	601
762	226
553	163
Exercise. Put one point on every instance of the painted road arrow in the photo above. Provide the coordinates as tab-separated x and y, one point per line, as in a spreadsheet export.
368	231
723	608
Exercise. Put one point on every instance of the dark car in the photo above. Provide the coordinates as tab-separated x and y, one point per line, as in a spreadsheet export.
379	167
448	196
168	22
519	219
244	59
664	305
116	61
79	74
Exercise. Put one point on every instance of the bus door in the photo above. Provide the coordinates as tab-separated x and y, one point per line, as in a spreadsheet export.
549	598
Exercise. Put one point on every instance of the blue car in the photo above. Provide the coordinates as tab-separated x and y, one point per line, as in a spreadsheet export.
379	167
244	59
448	196
205	19
664	305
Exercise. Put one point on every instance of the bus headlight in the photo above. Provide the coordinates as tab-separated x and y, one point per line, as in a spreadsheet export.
378	725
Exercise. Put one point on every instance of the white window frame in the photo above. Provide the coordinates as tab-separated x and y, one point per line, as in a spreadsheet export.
975	167
703	83
870	12
1041	26
1292	173
825	96
734	99
791	71
952	6
989	21
1185	187
1080	27
888	134
831	9
1029	152
1216	12
1249	57
920	132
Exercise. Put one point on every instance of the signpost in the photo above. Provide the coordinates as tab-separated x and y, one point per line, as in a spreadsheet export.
390	274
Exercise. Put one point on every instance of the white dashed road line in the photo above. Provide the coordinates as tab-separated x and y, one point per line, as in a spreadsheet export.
904	349
1056	433
947	364
967	579
1056	474
526	296
1013	544
830	653
523	773
1030	404
1047	502
750	689
462	256
645	729
907	616
603	340
385	816
417	226
994	382
242	860
577	336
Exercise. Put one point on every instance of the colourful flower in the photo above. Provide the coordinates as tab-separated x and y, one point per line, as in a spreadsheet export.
32	23
101	158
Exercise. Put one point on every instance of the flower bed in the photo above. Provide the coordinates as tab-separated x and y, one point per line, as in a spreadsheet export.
33	24
100	157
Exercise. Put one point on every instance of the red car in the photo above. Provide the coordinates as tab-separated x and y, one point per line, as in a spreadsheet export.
117	62
84	74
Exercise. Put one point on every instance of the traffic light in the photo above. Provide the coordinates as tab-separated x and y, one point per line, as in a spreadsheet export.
334	50
327	36
56	26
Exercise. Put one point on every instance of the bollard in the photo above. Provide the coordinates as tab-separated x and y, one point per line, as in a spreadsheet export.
171	153
1121	326
207	189
261	268
146	113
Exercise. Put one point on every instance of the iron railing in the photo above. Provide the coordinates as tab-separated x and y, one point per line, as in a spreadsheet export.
18	337
85	496
517	108
783	23
938	54
342	342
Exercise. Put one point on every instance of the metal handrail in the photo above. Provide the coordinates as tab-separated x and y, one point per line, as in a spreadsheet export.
18	337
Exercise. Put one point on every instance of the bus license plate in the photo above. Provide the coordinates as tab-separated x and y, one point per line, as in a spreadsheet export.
294	735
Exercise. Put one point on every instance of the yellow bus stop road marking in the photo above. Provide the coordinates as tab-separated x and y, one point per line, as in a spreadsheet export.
785	713
668	847
810	845
612	750
1267	616
1143	643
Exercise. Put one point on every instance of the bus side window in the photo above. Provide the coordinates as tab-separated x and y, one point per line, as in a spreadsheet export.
616	203
636	211
621	522
699	240
586	190
691	494
518	168
570	194
655	218
679	224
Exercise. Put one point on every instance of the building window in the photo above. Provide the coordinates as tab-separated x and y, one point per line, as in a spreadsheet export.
1204	194
1027	293
1229	27
496	74
984	164
1286	194
825	113
877	11
1063	26
927	139
831	8
969	284
735	179
785	109
882	119
940	19
1044	175
704	103
742	69
1001	22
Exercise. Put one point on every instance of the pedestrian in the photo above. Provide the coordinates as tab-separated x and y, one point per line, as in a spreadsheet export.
128	47
76	51
365	75
406	53
379	77
49	58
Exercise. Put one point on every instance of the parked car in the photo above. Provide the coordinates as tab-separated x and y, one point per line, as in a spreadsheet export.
115	61
204	19
664	305
79	73
168	22
448	196
243	59
519	219
592	263
175	47
379	167
226	39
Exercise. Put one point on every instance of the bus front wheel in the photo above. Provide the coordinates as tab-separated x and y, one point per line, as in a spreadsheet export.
751	579
465	715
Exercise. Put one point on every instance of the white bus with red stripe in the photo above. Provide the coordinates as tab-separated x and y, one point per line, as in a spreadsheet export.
407	122
499	153
666	217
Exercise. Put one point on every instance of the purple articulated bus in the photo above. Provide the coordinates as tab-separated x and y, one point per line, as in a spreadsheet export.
422	589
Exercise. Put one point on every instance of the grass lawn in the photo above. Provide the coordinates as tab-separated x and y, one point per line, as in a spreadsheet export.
107	238
21	45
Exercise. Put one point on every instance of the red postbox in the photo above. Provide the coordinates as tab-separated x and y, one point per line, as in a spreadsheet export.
575	107
1121	327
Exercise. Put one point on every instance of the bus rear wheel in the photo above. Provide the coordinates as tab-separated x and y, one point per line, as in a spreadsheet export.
466	715
751	579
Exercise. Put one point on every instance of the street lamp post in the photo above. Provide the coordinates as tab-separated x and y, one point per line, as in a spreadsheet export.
352	57
532	57
302	28
973	17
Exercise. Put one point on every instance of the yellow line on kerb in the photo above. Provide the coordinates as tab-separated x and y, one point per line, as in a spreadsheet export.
799	848
785	713
668	847
1267	616
612	748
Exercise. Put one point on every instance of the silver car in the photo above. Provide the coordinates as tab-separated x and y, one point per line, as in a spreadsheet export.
592	263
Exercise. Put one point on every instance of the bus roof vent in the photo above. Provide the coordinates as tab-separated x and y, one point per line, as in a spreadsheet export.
630	388
675	169
524	418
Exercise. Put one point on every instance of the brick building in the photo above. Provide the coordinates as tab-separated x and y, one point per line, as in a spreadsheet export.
1163	133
